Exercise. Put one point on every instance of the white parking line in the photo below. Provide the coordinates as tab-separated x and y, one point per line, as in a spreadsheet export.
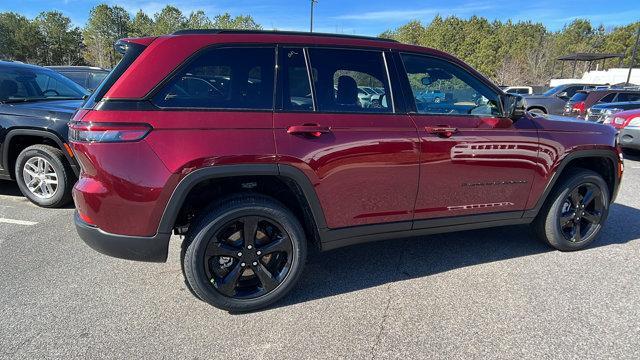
17	222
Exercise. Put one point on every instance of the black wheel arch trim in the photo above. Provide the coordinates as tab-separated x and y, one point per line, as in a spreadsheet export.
39	133
185	185
609	154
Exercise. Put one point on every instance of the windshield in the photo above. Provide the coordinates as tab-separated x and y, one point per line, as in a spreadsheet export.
552	91
579	96
20	84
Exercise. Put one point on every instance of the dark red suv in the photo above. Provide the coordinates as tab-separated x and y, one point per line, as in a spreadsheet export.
256	146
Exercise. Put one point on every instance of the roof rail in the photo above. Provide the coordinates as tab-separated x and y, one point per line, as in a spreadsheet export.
276	32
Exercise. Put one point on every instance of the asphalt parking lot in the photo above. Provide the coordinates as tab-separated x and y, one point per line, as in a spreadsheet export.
490	293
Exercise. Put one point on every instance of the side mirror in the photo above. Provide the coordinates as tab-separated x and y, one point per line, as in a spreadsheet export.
563	95
426	81
513	106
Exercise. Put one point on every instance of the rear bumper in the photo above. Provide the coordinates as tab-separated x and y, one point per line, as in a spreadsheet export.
630	137
139	248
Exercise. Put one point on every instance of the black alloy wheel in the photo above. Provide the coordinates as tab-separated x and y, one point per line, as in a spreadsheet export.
582	212
244	253
248	257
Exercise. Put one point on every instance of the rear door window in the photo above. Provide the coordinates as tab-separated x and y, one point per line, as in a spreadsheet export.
296	83
340	76
609	98
223	78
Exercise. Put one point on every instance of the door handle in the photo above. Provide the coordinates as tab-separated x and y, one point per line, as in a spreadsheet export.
311	130
441	130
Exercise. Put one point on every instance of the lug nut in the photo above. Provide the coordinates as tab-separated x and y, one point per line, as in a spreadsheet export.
249	247
259	252
239	254
243	264
255	263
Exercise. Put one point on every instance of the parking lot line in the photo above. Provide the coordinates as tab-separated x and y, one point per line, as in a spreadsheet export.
17	222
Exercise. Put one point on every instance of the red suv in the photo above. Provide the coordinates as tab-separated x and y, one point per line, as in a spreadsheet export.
256	146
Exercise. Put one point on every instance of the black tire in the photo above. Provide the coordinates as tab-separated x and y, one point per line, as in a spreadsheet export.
559	209
65	176
217	219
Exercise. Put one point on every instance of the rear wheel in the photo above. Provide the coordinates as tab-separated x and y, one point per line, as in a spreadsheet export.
575	212
44	176
244	253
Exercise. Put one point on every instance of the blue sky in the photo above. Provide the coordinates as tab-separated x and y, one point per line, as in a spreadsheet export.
365	17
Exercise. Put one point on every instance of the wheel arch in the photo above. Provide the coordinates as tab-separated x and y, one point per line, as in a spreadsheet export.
299	183
10	153
604	162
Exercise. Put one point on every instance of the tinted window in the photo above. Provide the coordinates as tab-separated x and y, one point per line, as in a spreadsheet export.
95	79
628	97
581	96
296	87
339	77
79	78
571	90
440	87
229	78
608	98
28	84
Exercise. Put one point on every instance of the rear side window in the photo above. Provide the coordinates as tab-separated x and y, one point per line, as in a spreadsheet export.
79	78
296	86
223	78
580	96
628	97
607	99
340	76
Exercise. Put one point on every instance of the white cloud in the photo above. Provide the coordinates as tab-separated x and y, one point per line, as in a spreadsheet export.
403	15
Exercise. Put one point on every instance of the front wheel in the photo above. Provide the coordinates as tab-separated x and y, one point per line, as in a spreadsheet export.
244	253
575	211
44	176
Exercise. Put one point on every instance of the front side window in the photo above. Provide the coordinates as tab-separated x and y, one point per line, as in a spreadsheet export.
223	78
440	87
342	79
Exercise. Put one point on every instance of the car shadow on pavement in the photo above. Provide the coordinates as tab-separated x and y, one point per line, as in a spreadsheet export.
9	188
363	266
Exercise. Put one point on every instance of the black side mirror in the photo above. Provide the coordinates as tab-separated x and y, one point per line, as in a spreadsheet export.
513	106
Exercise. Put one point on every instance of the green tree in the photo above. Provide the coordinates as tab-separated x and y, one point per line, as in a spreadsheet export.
198	20
21	39
62	43
105	26
226	21
168	20
141	25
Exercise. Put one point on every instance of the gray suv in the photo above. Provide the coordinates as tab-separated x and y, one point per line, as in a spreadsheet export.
553	101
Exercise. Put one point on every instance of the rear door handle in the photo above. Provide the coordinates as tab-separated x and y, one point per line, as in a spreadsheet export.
442	131
312	130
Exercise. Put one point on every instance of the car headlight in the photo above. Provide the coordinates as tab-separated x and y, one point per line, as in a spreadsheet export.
635	121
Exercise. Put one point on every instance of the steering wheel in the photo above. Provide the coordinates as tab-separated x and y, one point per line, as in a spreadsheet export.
55	93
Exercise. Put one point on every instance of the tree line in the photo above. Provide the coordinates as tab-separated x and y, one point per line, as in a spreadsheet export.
518	53
510	53
51	39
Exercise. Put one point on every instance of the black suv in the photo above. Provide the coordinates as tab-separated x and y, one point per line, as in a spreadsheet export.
35	106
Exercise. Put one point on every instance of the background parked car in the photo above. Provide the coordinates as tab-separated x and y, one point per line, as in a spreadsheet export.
434	96
628	122
35	105
599	112
89	77
519	90
582	100
553	101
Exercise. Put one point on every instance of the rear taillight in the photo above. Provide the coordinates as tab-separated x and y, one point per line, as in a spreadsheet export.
107	132
578	107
